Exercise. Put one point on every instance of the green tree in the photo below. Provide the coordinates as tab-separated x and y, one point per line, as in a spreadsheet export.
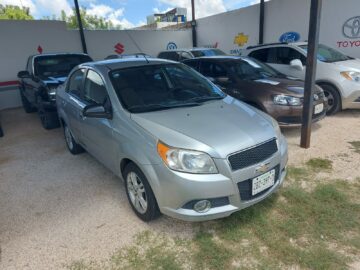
10	12
89	22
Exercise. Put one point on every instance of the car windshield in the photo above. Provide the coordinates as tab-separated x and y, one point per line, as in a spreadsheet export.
162	87
251	69
57	65
207	52
327	54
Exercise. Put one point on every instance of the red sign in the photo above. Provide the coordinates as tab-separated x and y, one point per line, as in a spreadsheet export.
119	48
348	43
39	49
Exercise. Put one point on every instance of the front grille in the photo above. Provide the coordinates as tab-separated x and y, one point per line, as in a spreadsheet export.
253	155
245	187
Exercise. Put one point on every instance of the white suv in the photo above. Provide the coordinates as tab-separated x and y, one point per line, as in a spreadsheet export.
337	74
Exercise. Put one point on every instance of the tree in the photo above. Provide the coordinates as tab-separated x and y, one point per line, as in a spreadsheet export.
89	22
10	12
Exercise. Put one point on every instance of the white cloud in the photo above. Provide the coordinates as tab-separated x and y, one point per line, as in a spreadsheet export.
157	10
203	8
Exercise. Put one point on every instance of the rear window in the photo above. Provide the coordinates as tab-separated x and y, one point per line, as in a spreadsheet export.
58	65
207	52
169	55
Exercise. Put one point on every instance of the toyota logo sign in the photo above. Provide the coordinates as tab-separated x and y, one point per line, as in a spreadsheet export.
351	28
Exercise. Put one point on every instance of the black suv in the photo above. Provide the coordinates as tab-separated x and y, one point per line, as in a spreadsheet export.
38	83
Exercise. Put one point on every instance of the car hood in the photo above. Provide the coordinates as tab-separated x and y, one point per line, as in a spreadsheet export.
218	128
349	65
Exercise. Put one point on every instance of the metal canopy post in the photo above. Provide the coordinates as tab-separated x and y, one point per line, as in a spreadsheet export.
262	22
311	63
193	24
81	30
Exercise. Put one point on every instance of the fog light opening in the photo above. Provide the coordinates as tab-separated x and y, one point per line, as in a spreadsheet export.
202	206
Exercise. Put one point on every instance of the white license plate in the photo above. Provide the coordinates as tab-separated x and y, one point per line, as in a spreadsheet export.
263	182
319	108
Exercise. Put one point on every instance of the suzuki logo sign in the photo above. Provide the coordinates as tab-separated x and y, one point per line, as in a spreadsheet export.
351	28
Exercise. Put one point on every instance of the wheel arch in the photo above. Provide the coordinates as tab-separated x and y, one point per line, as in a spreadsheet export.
329	83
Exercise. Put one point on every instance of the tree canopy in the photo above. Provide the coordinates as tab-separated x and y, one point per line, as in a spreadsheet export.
90	22
10	12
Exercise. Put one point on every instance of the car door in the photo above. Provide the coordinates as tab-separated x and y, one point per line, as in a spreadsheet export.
29	84
97	133
74	105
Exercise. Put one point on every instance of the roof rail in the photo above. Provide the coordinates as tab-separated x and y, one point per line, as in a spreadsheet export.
267	44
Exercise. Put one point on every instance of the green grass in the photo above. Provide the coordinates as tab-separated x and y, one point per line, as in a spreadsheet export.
318	164
355	146
292	228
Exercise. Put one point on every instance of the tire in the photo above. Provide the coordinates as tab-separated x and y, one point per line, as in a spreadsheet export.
49	120
334	99
71	144
28	108
140	194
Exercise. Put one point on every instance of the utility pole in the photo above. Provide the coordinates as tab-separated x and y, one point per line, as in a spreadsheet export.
81	29
261	22
193	24
311	63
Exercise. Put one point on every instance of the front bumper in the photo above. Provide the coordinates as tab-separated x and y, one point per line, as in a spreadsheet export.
173	190
292	115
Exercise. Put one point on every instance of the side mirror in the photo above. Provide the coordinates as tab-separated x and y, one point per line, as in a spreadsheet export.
24	74
96	111
297	64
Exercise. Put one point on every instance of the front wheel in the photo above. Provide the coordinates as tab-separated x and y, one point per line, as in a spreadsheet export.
140	194
334	99
28	108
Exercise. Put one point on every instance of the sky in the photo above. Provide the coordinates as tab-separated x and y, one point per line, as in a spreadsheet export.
128	13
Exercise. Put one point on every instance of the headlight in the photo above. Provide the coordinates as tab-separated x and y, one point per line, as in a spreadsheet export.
351	75
188	161
287	100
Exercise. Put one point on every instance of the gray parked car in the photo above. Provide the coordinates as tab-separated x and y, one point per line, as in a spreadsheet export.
182	146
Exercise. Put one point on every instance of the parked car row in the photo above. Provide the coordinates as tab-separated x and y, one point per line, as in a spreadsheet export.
196	140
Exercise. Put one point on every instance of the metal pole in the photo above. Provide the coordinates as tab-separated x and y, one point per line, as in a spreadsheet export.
311	63
81	29
262	22
193	24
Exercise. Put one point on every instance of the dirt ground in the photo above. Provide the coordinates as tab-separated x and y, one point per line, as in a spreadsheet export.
56	208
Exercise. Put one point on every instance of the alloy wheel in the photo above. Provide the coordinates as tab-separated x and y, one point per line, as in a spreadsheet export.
331	99
137	193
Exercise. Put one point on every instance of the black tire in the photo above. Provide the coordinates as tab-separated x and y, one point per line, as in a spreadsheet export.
334	99
28	108
71	144
49	120
151	211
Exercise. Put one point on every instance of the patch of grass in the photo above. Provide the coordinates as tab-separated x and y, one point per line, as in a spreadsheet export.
298	173
318	164
355	146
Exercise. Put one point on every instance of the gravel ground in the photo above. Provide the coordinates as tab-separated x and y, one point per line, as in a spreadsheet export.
56	208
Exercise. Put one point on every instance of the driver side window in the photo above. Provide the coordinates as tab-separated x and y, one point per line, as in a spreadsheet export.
94	90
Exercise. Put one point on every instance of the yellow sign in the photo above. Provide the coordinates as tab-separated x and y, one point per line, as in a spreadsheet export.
241	39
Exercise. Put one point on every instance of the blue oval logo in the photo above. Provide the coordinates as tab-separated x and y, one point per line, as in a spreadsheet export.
290	37
171	46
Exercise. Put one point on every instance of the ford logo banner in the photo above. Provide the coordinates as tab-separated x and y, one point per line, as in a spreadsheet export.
289	37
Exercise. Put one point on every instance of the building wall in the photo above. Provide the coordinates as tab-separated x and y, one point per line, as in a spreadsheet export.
19	39
281	16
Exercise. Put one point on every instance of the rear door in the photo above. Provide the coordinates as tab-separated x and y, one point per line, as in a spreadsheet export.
74	105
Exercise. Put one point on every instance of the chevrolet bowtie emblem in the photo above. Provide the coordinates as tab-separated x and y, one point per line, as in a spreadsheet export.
263	168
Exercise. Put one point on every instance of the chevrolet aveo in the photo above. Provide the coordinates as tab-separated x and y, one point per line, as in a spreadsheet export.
182	146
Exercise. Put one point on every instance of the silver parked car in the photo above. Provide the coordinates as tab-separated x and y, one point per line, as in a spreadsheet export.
183	147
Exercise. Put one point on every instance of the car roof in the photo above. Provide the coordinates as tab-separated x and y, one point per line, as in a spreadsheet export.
190	49
217	57
278	44
127	62
55	54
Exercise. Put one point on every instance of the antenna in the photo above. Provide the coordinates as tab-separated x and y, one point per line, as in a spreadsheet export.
137	46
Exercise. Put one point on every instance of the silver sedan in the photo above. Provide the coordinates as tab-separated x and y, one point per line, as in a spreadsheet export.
183	147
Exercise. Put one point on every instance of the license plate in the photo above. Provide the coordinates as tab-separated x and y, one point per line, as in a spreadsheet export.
263	182
319	108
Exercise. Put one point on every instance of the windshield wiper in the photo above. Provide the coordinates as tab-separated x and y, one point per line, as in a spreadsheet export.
204	99
158	107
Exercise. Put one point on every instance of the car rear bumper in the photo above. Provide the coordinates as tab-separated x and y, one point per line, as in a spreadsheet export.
175	190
